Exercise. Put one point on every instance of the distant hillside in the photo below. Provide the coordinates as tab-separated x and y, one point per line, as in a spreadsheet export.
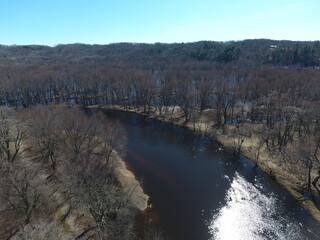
251	53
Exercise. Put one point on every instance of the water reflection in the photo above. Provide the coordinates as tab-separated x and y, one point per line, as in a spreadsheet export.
251	214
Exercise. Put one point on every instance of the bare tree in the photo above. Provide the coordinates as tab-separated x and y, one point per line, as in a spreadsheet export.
257	150
309	159
88	143
165	93
185	95
145	89
20	197
12	135
307	155
45	130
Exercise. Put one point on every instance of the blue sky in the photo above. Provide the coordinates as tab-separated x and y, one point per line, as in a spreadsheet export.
50	22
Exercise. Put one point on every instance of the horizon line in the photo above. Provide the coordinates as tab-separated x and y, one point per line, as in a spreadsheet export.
153	43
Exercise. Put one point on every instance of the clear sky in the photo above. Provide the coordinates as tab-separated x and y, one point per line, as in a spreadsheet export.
51	22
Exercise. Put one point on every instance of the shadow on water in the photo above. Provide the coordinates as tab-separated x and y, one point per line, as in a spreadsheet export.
199	191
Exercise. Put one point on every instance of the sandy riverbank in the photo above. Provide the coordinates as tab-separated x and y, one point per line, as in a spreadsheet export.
130	184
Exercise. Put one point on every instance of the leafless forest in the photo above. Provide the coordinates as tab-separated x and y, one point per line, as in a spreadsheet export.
265	88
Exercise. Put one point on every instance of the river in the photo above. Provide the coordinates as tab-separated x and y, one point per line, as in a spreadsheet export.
199	191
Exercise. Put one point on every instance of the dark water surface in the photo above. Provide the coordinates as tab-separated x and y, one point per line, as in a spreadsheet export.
200	192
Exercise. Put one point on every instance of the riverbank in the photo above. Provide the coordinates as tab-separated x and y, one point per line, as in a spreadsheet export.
130	184
250	147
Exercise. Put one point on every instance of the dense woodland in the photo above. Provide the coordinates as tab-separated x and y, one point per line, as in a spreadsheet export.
272	87
57	177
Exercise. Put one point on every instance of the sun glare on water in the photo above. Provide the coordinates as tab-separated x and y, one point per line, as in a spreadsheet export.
251	215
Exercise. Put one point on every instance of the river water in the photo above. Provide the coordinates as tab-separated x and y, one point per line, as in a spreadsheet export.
199	191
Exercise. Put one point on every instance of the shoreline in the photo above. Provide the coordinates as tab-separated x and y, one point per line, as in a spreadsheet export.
288	181
130	184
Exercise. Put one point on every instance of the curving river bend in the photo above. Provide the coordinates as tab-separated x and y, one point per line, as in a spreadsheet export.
200	192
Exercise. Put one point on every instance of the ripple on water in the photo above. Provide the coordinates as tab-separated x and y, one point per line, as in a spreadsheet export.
249	214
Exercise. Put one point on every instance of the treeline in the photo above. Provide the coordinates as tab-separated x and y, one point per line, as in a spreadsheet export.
252	53
193	88
285	101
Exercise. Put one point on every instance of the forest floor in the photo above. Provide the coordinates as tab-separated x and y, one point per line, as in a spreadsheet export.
268	162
